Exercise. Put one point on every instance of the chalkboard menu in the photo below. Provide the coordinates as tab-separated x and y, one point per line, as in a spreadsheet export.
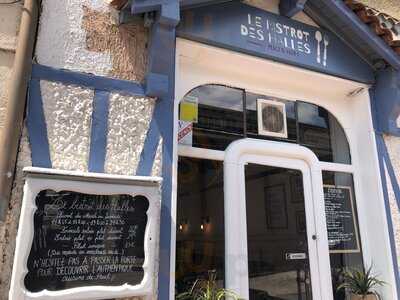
341	220
86	240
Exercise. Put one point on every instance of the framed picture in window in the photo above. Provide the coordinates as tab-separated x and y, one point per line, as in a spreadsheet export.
275	205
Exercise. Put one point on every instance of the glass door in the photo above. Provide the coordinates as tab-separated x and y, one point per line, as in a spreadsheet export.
277	247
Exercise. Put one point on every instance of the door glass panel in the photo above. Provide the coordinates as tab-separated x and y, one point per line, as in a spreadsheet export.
200	222
342	223
276	233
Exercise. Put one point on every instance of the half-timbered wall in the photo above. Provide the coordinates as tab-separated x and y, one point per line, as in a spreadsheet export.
83	36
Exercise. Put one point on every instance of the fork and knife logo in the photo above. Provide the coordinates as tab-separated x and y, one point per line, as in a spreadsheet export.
325	42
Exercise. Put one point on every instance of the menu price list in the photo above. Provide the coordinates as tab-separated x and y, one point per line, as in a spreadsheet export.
86	240
340	219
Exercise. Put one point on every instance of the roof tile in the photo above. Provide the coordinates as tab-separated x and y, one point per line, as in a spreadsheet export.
384	25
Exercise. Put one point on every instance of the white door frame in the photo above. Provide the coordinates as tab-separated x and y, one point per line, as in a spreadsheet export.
276	154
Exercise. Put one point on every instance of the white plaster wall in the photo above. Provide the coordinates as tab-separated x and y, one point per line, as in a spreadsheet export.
61	40
128	122
68	111
393	145
81	36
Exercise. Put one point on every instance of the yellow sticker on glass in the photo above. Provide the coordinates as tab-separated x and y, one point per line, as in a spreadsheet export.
189	110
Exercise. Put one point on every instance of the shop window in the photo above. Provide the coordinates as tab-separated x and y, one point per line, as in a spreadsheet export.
200	222
215	113
322	133
343	231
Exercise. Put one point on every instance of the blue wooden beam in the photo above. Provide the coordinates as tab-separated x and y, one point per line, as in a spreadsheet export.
168	10
195	3
37	129
160	83
167	18
387	93
87	80
99	128
289	8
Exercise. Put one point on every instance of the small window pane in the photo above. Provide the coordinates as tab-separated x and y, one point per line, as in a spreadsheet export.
321	132
200	231
217	117
343	230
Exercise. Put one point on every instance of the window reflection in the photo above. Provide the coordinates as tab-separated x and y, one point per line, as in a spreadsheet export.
219	116
276	234
216	113
320	131
200	222
343	256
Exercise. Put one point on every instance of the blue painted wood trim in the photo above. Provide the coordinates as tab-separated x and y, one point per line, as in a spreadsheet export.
230	26
168	10
289	8
162	62
387	94
87	80
37	129
98	136
381	150
150	146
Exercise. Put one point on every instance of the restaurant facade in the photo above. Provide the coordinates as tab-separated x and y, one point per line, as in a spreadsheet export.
164	141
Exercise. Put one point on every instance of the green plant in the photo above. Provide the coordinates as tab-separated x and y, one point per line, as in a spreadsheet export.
207	289
360	282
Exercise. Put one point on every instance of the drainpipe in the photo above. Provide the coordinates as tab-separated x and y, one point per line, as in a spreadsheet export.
16	90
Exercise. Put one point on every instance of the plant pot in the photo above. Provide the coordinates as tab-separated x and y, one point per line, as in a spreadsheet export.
360	297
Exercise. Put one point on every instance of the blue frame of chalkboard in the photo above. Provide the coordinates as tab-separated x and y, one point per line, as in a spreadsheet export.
37	180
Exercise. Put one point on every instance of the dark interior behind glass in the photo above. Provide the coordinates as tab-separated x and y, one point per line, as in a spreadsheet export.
221	121
200	222
346	259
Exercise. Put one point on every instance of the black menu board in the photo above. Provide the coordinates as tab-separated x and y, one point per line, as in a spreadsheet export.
341	220
86	240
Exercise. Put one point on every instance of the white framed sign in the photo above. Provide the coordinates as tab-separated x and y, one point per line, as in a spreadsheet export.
87	236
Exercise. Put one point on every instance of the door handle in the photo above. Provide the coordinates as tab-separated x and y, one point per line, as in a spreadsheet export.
296	256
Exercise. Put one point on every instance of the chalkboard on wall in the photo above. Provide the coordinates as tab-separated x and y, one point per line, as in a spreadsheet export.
341	220
84	239
86	236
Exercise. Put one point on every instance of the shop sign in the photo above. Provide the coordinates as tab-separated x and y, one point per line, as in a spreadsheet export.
86	239
247	29
341	220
